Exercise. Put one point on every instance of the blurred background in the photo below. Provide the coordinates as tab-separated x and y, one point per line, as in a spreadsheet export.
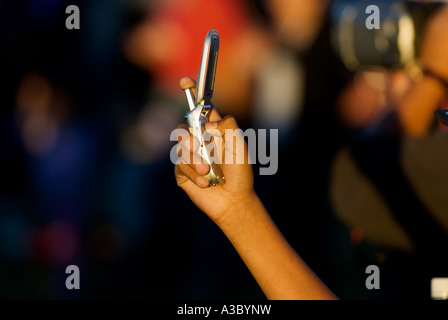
85	173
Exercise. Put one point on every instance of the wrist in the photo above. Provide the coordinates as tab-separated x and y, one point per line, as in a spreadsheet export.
240	213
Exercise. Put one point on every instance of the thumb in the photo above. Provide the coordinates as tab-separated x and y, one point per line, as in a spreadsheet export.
214	115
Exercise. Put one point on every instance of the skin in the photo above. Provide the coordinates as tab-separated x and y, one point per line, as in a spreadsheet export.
239	213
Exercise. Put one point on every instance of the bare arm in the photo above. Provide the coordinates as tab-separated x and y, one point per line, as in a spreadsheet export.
277	268
237	210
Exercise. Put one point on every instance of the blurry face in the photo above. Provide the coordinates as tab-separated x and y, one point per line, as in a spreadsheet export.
297	21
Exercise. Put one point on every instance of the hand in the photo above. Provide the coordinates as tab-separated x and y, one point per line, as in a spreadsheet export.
237	210
223	201
434	54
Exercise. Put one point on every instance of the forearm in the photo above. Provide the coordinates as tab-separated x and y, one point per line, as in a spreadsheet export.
416	108
277	268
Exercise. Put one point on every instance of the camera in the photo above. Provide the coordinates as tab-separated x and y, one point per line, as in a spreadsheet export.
393	43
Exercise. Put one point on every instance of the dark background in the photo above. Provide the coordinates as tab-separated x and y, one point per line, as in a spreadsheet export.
86	179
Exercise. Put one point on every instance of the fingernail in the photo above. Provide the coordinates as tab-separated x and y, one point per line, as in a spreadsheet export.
202	182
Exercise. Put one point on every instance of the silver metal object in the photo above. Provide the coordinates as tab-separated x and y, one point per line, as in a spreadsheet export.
207	69
201	108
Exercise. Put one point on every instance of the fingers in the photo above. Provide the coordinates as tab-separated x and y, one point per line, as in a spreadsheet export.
192	165
183	171
186	139
214	115
192	159
187	150
235	148
188	83
218	128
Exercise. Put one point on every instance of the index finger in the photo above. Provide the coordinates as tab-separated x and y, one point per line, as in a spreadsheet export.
214	115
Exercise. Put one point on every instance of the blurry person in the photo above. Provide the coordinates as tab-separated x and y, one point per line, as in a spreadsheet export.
390	180
237	209
297	22
59	164
38	113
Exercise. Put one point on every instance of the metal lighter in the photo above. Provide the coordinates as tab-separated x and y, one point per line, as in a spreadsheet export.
201	107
